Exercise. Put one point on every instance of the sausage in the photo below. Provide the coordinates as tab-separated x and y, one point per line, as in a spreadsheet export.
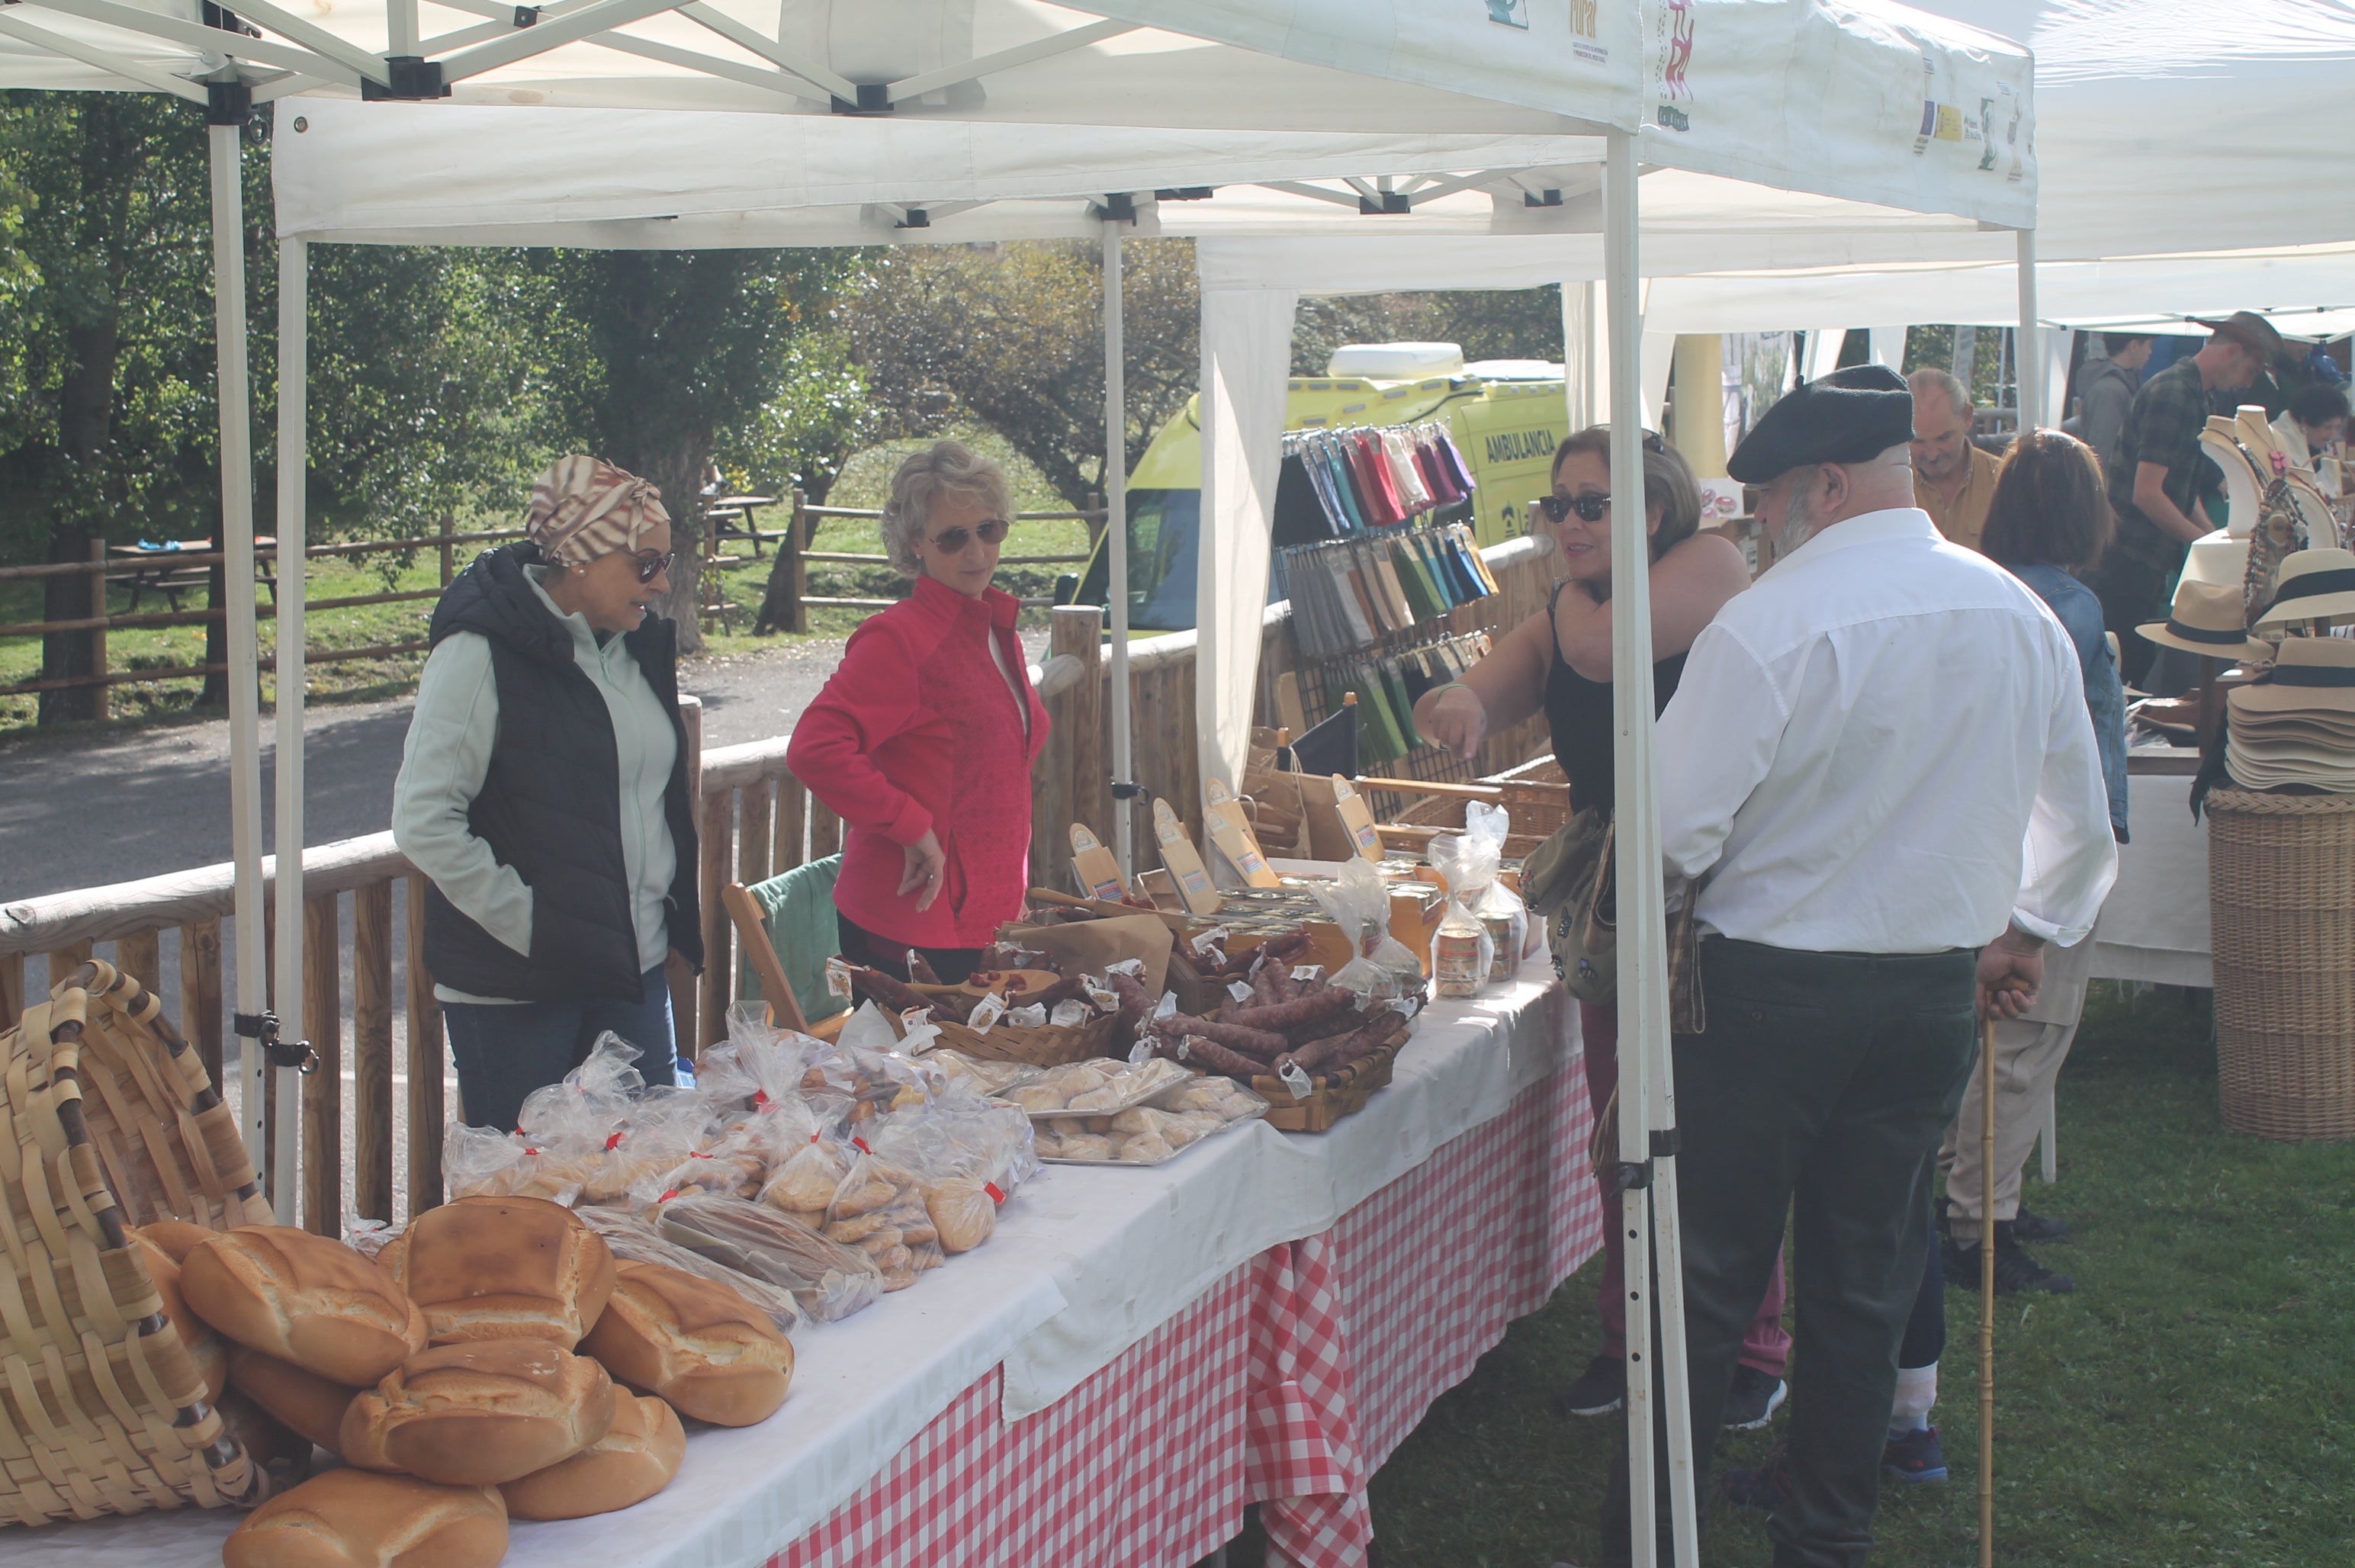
1335	1049
919	970
873	985
1259	1042
1134	1003
1066	989
1197	1052
1314	1004
1264	993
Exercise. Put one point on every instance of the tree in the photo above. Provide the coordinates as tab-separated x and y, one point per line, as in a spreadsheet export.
678	349
108	411
1490	323
1014	335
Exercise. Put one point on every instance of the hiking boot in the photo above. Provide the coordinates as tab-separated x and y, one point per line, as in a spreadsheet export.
2017	1272
2031	1227
1914	1456
1753	1399
1766	1488
1600	1388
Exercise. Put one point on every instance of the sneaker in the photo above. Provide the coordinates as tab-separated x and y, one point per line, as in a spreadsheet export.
1753	1399
2016	1270
2031	1227
1600	1389
1914	1456
1766	1488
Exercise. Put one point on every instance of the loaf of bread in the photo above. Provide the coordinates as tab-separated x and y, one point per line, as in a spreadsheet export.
305	1300
306	1402
694	1341
274	1445
480	1414
204	1346
351	1519
499	1268
636	1458
176	1238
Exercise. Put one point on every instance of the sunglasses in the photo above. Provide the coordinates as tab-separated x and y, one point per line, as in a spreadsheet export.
652	564
952	541
1591	508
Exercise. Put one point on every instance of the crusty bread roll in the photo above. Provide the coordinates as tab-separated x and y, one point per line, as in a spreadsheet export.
350	1519
305	1402
175	1237
499	1268
204	1346
303	1299
694	1341
636	1458
480	1414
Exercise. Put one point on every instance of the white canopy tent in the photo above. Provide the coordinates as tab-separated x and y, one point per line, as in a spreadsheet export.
1875	115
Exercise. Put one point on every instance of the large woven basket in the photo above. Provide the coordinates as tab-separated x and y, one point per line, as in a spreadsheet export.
2281	880
110	1122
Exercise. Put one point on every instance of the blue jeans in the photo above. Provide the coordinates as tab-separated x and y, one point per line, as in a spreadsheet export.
505	1051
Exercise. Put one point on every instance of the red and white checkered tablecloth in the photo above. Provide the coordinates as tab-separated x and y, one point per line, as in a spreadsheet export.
1286	1383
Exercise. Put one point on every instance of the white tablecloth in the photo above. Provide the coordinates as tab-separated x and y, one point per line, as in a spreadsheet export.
1085	1263
2154	926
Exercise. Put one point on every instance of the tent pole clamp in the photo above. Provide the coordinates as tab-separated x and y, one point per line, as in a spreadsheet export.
262	1026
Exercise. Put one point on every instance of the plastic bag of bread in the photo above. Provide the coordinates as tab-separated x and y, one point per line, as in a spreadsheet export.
698	1343
1178	1118
348	1518
476	1161
1358	901
657	1131
1215	1093
879	1208
590	1103
828	1282
1097	1088
989	1077
969	1154
633	1240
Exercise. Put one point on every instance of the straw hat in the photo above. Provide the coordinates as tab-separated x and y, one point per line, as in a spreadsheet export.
2311	675
2206	620
2312	585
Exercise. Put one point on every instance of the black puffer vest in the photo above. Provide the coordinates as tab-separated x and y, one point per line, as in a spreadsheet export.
550	805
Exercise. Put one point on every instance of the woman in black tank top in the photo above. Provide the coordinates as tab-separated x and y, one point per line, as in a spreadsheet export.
1560	662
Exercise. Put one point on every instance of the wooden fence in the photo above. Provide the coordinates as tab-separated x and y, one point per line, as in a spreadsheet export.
173	567
756	821
787	604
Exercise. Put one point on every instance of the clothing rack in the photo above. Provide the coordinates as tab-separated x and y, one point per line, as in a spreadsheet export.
1355	479
1350	594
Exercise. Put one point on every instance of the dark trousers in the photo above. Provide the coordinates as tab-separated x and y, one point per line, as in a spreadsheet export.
505	1051
869	951
1819	1091
2132	592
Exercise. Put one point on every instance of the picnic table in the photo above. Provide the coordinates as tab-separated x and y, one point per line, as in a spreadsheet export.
737	515
150	566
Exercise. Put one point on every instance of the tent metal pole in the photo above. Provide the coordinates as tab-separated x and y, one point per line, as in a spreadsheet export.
2028	358
293	388
1115	494
244	694
1647	1085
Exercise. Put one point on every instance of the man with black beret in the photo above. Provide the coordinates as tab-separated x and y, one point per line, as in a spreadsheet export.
1879	771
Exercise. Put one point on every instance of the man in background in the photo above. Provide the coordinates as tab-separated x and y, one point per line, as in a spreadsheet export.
1953	480
2161	478
2106	384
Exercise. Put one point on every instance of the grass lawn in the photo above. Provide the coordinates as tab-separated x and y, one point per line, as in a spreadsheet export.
2187	1407
865	483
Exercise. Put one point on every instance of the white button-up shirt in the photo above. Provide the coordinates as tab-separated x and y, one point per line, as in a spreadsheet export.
1883	747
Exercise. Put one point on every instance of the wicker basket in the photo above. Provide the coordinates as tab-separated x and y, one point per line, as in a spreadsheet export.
1536	793
110	1122
1332	1095
1046	1045
2281	880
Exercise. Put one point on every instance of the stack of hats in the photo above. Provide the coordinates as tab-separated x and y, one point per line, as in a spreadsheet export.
2298	727
2207	619
2314	589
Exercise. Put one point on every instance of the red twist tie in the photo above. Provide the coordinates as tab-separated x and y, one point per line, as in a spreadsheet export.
995	1195
760	1100
860	1145
613	1142
667	1196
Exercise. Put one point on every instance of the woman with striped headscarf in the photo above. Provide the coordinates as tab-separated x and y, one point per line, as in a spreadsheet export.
543	791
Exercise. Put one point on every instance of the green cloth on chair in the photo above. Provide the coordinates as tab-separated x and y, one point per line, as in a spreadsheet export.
797	907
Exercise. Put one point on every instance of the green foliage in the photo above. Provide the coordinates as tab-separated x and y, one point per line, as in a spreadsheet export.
805	434
1491	323
1012	336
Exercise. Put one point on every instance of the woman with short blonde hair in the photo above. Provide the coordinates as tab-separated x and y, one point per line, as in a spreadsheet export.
922	740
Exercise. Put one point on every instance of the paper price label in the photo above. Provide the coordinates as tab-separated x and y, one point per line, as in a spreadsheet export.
1294	1080
1357	820
1211	942
1105	999
986	1013
1239	991
1305	972
838	978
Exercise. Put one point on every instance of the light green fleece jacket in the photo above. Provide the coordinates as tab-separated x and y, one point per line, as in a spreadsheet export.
448	756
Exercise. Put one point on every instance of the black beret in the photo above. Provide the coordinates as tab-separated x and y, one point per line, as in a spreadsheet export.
1848	416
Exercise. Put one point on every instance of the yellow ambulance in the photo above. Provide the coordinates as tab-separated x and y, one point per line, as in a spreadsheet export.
1506	416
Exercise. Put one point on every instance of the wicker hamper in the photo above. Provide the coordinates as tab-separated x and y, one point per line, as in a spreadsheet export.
2281	880
108	1122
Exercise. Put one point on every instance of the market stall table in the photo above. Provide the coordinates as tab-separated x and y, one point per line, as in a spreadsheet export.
2155	922
1137	1353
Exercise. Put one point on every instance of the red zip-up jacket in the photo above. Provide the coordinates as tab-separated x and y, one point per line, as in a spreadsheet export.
917	730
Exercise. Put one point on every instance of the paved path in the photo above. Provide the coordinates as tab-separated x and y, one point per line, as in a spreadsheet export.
81	811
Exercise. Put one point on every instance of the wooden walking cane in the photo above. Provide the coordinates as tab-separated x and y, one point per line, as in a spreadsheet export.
1986	1295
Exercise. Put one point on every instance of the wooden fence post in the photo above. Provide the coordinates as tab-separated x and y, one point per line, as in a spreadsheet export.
102	695
449	551
12	989
372	1051
323	1091
792	824
426	1114
140	956
200	992
798	526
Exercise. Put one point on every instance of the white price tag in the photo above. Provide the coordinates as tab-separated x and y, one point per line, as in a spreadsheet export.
1294	1080
1131	967
1409	1006
838	978
1167	1008
1307	972
1142	1052
1030	1016
986	1012
1214	939
1105	999
918	1033
1239	991
1070	1014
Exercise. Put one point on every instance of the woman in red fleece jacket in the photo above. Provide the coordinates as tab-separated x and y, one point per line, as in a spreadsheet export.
922	740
